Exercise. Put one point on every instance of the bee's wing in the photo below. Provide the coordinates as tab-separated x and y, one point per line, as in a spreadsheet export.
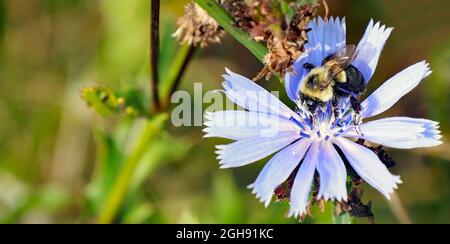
341	60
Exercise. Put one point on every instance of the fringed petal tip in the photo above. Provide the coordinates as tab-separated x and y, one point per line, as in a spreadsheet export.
207	133
228	71
432	131
208	117
391	91
224	166
263	198
370	47
427	71
221	147
394	186
230	75
401	132
338	21
297	213
328	197
378	30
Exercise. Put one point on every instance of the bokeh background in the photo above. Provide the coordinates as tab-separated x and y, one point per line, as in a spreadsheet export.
58	158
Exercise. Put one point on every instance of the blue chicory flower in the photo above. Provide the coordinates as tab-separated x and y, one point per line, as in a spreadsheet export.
307	141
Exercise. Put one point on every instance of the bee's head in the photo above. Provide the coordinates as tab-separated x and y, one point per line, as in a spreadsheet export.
317	79
316	85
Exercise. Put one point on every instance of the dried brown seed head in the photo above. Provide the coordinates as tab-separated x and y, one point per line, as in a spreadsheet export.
280	58
285	39
197	28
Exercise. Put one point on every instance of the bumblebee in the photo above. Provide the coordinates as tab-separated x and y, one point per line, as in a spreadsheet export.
334	79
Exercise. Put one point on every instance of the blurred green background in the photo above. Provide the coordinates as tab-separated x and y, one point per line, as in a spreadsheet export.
58	159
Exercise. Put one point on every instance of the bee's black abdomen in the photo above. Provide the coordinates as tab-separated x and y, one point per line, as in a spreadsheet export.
355	81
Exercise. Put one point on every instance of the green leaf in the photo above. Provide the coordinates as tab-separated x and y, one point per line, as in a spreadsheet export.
108	161
121	186
218	13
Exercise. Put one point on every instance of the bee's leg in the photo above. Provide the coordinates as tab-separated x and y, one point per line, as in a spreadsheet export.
357	128
335	104
357	120
312	105
355	104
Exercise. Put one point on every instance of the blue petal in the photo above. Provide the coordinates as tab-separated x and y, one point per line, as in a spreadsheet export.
401	132
333	175
250	150
278	169
370	47
253	97
238	124
303	182
368	166
395	88
324	39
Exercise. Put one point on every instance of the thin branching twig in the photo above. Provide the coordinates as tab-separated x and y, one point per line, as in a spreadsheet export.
154	53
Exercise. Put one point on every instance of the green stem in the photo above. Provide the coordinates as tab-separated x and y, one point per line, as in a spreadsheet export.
178	67
218	13
119	189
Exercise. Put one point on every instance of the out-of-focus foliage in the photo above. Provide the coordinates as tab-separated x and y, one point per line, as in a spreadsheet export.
59	159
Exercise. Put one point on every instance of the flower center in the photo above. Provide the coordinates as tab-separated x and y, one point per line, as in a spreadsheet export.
327	121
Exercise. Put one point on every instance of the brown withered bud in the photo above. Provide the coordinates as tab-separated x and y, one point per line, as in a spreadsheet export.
197	28
283	191
266	22
384	157
281	56
286	44
240	12
298	27
355	207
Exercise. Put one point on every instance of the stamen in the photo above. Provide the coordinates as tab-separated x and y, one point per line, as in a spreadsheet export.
297	123
348	120
318	134
305	135
338	133
335	123
308	121
325	115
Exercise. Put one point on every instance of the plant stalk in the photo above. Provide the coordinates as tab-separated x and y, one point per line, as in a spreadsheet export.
120	188
178	68
154	53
